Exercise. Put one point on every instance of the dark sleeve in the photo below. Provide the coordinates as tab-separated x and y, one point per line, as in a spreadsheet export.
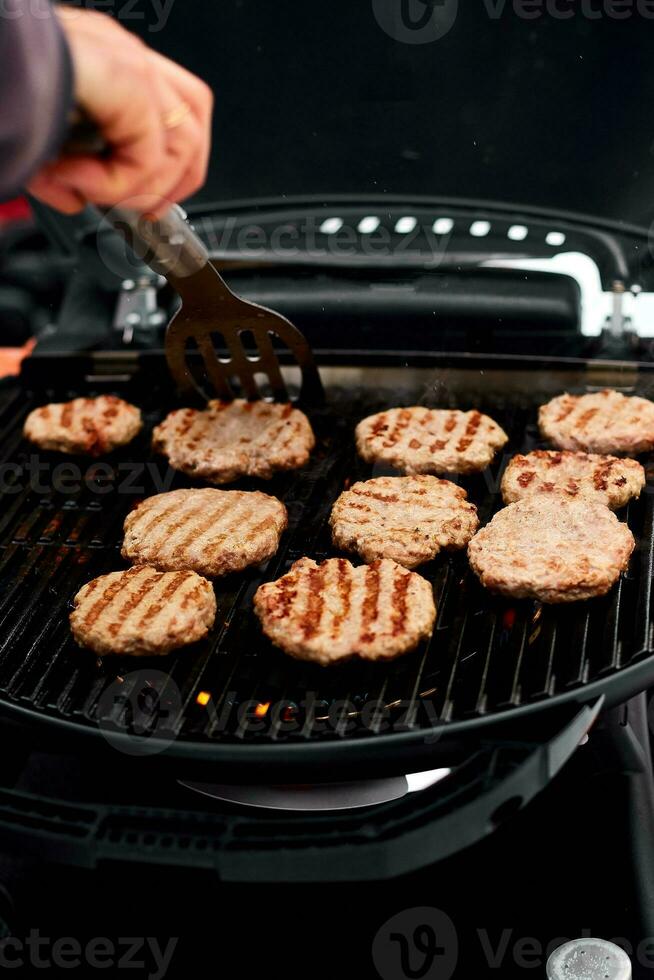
36	83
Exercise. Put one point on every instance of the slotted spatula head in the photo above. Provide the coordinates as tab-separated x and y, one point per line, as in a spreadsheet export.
212	317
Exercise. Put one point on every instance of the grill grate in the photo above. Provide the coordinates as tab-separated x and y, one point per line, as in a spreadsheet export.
487	655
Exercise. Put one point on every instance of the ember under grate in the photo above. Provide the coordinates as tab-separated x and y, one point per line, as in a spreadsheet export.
486	655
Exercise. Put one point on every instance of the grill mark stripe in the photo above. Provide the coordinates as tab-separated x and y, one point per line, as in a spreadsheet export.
201	530
188	512
566	409
399	602
390	499
154	515
310	621
166	596
273	433
193	596
131	603
187	418
403	419
216	543
404	526
163	542
282	596
66	415
106	598
91	587
585	418
470	432
370	602
344	587
257	529
289	441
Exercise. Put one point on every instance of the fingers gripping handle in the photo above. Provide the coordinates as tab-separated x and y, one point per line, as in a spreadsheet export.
167	243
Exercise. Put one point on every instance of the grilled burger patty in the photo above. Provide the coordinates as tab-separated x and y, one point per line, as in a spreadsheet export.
602	422
606	479
211	531
142	611
406	518
332	612
228	440
85	425
553	548
427	440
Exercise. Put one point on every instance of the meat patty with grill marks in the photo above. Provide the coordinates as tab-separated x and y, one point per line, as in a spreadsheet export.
429	440
214	532
91	426
602	422
606	479
551	548
143	611
332	612
406	518
228	440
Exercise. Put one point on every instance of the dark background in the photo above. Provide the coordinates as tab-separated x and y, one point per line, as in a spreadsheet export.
317	99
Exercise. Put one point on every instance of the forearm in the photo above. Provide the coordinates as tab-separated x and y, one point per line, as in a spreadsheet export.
36	87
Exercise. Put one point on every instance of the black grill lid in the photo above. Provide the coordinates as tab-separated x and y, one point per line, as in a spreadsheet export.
527	103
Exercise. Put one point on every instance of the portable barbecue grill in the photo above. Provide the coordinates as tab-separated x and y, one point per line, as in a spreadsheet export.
234	700
508	754
487	712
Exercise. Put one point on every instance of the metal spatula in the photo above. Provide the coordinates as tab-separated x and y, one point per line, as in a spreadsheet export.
211	312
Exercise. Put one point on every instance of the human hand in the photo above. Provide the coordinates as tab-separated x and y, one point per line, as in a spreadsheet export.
153	115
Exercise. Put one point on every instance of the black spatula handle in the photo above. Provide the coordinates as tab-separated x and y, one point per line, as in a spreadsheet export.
167	243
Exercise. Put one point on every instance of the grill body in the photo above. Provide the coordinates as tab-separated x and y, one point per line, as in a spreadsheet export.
235	699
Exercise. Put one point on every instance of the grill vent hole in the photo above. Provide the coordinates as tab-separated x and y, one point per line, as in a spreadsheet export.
555	238
442	226
331	225
406	224
368	225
